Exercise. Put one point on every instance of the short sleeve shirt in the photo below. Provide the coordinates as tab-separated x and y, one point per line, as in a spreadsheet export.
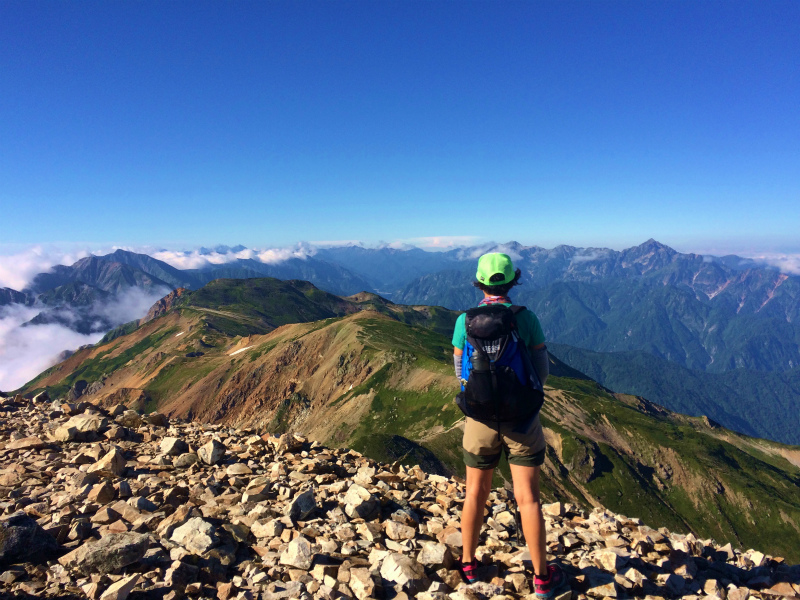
530	330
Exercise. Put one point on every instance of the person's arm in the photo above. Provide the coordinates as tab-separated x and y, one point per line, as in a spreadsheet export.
540	361
459	341
531	332
458	353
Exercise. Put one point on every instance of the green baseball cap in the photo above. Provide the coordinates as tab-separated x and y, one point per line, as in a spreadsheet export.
492	265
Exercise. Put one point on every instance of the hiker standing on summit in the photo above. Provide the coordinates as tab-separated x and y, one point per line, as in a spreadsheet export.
501	360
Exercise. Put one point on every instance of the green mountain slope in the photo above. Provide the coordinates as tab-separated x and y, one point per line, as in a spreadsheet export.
747	401
368	379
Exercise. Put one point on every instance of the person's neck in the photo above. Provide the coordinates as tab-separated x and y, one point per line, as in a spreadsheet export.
488	295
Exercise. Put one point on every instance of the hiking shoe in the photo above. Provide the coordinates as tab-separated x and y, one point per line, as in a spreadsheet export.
469	571
546	589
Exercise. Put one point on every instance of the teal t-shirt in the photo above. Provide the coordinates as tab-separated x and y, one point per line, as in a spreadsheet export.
530	330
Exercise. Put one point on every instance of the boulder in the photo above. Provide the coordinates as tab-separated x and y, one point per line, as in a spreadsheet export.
88	423
41	397
113	463
172	446
185	460
212	452
359	503
196	535
268	530
26	443
65	434
298	554
399	531
404	573
237	469
435	555
109	553
302	506
362	583
130	418
21	539
156	419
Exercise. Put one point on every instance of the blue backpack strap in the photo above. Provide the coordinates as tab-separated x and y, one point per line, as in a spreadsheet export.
466	362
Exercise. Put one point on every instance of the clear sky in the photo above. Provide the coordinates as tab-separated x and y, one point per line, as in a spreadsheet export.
267	123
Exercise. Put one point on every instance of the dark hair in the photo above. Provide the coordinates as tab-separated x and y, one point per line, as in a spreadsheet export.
499	290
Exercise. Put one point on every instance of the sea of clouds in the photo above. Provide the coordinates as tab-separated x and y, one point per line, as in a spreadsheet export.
27	350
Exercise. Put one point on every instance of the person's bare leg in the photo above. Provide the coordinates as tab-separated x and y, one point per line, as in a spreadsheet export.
526	491
479	485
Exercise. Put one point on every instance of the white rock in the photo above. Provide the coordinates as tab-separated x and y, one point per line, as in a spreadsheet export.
196	535
298	554
212	452
172	446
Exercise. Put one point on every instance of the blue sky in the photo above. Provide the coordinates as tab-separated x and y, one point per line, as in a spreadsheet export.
266	123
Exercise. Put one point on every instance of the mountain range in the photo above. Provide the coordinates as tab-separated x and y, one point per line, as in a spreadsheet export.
366	373
725	327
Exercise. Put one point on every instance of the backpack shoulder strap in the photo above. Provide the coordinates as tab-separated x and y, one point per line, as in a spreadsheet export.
515	310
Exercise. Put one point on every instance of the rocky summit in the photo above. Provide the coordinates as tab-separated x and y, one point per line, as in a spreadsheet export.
108	504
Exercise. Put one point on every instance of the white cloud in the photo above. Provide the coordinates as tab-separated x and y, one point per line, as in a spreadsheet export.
18	270
279	255
589	255
197	259
477	251
131	304
785	263
27	351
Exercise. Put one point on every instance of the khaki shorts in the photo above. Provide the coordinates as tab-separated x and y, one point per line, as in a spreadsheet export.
484	443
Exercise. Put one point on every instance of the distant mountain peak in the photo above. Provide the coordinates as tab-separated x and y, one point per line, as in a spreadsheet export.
653	244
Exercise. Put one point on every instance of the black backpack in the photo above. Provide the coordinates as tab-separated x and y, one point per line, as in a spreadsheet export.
501	384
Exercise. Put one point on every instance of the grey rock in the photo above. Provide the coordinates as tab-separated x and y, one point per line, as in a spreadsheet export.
172	446
212	452
237	469
399	531
280	590
142	504
298	554
302	506
435	555
360	503
196	535
41	397
486	589
21	539
185	460
404	572
108	554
